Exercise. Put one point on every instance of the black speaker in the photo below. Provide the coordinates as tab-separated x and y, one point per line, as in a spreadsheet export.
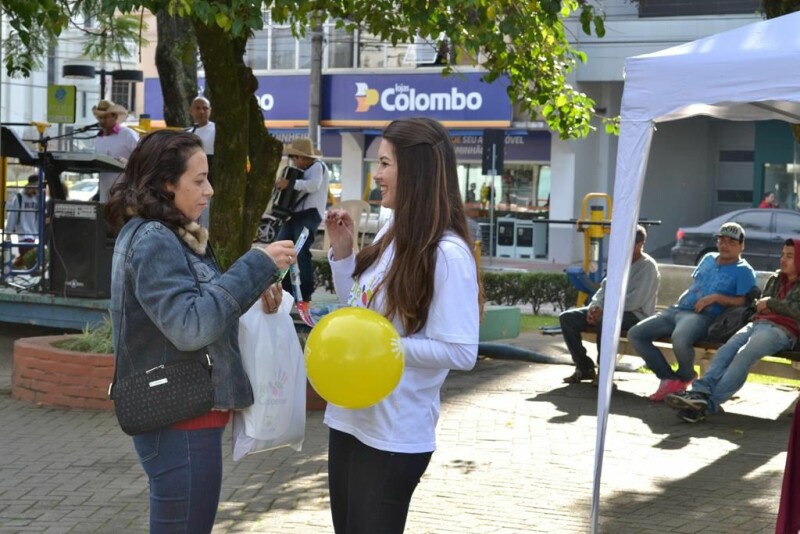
80	250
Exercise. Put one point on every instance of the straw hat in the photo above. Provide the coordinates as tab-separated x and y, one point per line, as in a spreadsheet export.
301	146
104	107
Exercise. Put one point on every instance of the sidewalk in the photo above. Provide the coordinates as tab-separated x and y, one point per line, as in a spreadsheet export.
516	453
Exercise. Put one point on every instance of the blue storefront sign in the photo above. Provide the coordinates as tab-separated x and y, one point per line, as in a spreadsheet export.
283	99
372	100
519	146
375	99
530	146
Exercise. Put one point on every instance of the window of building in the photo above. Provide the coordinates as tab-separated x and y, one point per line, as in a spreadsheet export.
256	54
124	94
371	51
340	48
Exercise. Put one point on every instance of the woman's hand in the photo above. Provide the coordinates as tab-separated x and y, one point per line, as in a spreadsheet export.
282	253
271	298
341	231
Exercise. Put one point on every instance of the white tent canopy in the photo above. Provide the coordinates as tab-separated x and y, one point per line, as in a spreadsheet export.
750	73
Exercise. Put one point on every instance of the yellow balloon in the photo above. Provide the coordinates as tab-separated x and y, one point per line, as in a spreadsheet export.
354	357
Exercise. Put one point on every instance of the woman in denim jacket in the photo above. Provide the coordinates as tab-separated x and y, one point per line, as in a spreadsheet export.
169	302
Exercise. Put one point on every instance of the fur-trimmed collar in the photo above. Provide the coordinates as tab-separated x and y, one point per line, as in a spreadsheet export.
195	236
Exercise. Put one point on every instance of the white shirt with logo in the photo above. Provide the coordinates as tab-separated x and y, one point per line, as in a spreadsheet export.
405	421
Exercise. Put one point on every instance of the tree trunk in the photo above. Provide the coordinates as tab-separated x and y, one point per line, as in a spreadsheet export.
176	61
240	197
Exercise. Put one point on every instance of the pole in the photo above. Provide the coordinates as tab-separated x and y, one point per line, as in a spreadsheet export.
491	202
315	82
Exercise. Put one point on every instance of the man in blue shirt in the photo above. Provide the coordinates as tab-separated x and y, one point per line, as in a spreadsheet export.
721	279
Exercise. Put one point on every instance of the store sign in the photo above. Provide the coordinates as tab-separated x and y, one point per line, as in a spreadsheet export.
532	146
283	99
372	100
368	100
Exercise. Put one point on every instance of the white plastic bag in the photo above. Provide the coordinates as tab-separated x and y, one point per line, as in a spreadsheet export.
273	360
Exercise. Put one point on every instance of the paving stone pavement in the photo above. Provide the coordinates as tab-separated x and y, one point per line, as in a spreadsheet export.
516	453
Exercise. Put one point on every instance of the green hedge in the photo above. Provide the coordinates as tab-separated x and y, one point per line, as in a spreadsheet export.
505	288
532	288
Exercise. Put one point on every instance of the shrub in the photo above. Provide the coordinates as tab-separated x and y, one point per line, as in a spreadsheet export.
532	288
505	288
96	339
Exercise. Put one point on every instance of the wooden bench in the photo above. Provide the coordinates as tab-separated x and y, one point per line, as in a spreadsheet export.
674	280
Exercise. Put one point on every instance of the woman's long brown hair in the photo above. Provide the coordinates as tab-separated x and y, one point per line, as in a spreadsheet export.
427	204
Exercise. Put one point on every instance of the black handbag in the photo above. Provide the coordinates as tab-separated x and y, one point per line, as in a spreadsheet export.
162	396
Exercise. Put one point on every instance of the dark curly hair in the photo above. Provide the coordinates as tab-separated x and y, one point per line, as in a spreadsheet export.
159	159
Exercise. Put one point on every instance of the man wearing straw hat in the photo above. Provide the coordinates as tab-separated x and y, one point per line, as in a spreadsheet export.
114	140
308	209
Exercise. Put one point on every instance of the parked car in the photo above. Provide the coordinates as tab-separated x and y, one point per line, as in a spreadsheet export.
84	190
765	231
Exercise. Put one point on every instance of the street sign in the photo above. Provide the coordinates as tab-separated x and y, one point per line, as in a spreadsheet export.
61	104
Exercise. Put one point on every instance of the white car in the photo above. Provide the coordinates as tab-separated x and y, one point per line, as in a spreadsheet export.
84	190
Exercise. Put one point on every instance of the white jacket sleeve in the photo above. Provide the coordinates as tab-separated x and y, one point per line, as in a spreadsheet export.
449	339
342	272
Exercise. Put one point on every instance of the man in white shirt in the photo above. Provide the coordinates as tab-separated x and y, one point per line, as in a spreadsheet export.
114	140
308	209
200	110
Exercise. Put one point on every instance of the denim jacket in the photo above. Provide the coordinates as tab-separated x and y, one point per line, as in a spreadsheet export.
164	310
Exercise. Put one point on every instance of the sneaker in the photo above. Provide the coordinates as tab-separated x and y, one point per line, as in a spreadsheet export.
670	385
692	416
688	399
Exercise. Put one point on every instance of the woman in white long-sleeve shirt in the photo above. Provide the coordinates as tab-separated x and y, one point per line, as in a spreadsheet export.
420	273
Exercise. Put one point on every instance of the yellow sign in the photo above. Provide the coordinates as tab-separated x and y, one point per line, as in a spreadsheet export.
61	104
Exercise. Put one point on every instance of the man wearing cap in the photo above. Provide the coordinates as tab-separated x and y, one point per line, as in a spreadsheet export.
774	327
721	279
309	208
640	303
114	140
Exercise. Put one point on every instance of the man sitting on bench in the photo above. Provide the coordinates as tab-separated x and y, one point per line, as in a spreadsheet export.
640	302
774	328
721	279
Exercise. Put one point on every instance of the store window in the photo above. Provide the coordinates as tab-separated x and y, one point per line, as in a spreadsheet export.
340	48
523	187
283	50
784	181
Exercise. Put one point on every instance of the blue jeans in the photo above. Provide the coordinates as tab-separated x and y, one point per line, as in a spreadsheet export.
728	370
573	322
370	489
291	229
684	327
184	468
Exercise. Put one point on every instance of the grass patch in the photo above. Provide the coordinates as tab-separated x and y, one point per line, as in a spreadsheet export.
532	323
97	339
